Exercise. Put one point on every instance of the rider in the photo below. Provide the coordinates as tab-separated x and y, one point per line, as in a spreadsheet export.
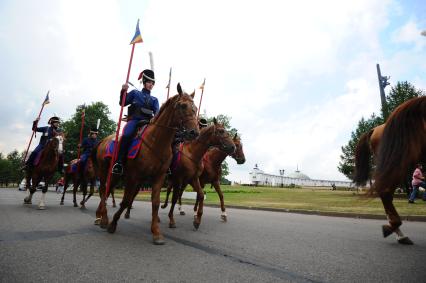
88	144
143	106
48	132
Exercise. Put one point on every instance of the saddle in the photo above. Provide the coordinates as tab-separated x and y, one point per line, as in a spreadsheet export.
135	144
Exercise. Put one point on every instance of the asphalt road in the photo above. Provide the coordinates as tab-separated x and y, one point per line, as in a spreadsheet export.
61	244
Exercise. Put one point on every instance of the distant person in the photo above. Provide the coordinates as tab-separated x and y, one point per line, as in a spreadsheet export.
418	181
333	187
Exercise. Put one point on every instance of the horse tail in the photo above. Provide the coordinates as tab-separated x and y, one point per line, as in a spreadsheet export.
363	159
402	144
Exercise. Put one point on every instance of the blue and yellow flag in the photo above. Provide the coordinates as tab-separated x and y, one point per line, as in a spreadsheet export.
46	100
138	37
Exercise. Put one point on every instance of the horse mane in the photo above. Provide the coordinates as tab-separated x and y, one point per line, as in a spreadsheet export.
166	104
402	144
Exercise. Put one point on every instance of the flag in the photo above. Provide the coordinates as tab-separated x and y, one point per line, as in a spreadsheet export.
202	85
138	37
170	78
46	100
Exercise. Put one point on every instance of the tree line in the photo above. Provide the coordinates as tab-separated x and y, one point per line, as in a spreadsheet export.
10	173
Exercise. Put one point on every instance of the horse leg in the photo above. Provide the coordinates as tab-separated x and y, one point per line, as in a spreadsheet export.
31	189
113	199
66	183
180	208
169	189
84	189
127	215
92	190
155	202
394	220
42	204
129	193
74	192
200	197
175	195
216	186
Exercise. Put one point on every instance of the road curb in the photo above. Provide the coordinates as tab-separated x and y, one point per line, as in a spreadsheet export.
418	218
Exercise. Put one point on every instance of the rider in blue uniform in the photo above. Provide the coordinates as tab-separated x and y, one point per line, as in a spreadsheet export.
87	145
143	106
48	132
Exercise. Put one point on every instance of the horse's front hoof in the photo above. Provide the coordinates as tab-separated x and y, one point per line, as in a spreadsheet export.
83	206
104	223
172	225
111	228
127	216
41	207
164	206
405	241
75	204
182	212
114	205
61	203
387	230
158	240
82	203
196	225
223	218
97	221
27	201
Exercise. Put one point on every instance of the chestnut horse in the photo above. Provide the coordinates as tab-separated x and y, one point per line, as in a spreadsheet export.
81	179
190	166
401	145
152	160
212	173
45	169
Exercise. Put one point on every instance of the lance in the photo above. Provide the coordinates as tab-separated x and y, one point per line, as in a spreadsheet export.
97	124
168	85
201	98
83	116
46	101
136	39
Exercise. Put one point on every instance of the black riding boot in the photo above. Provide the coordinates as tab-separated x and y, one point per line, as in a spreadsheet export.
122	153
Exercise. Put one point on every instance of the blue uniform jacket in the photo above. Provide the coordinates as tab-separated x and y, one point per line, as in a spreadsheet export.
88	144
141	99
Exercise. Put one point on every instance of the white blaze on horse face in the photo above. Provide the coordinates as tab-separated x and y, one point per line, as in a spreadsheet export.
60	147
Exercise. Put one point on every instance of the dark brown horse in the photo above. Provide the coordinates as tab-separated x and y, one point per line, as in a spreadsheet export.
45	169
400	147
81	179
212	173
152	160
190	165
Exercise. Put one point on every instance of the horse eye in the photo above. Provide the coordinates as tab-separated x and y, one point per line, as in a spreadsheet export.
183	106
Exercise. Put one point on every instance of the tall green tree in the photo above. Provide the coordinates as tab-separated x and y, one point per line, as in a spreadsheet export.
15	160
398	94
93	112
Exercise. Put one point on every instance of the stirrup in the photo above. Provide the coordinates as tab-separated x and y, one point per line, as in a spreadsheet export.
117	169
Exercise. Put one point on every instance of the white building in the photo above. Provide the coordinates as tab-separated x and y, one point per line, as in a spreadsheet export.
260	178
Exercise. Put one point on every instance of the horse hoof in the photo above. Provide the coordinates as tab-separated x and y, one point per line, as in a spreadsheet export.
223	217
113	205
158	240
164	206
127	216
182	212
41	208
82	203
111	228
104	224
83	207
387	230
405	241
75	204
196	225
27	201
97	221
62	203
172	225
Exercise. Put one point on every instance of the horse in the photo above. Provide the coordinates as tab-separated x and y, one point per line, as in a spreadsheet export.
398	148
81	179
152	160
212	173
190	166
46	168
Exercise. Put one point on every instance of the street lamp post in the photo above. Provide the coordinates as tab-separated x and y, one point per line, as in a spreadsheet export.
282	175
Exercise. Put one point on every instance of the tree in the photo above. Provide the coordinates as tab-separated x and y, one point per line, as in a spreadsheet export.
226	121
15	160
93	112
400	93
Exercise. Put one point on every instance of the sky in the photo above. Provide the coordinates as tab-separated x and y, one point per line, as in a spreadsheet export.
294	76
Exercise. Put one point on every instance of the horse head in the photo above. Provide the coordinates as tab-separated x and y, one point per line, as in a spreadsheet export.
221	137
61	138
238	154
185	114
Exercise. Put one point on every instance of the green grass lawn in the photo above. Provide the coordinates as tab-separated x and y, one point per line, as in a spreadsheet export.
323	200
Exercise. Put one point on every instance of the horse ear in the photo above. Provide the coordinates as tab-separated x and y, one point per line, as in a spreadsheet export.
179	89
236	136
215	121
193	94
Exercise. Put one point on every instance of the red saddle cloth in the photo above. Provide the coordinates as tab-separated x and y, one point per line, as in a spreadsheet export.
134	147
